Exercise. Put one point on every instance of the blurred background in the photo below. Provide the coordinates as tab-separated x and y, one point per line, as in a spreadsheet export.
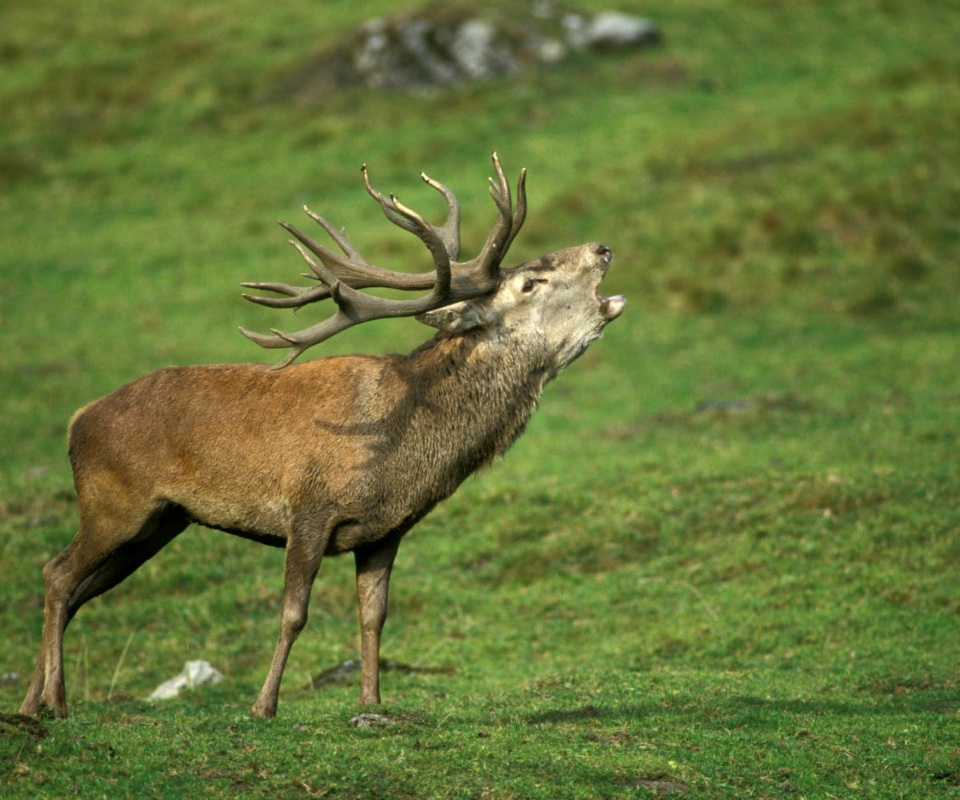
759	458
758	164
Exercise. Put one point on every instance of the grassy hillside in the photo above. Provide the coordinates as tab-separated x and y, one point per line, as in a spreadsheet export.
723	560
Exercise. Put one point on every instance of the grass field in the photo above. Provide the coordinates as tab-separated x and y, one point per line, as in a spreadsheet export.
723	560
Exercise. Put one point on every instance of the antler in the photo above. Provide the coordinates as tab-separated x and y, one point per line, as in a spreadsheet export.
342	276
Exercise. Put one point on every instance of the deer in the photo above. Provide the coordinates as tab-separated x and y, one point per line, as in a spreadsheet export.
341	454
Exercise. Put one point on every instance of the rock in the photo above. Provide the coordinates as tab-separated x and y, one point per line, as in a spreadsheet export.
610	30
194	674
366	721
478	52
445	46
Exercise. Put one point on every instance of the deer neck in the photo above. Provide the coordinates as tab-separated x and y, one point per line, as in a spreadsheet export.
486	386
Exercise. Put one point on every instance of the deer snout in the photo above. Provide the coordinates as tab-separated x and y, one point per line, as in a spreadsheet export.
605	253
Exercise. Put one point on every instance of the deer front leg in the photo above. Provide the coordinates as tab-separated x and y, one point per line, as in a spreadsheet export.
64	578
303	556
374	563
31	703
47	685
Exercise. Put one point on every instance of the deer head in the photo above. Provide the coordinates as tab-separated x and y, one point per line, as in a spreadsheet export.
553	300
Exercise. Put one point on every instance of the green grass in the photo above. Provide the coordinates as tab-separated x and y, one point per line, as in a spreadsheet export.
722	562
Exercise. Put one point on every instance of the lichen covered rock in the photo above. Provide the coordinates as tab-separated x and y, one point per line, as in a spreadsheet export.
444	46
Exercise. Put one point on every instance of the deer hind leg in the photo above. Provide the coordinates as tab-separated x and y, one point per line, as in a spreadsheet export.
305	548
374	564
89	566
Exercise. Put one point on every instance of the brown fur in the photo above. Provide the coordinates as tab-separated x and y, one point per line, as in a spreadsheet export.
342	454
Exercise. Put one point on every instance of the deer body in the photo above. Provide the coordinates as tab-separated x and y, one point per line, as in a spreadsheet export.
343	454
373	442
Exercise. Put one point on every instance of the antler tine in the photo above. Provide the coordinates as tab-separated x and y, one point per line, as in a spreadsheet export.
520	214
508	223
449	232
400	215
332	325
341	266
430	237
296	296
389	211
338	236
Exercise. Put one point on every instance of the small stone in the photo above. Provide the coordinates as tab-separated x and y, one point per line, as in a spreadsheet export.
193	674
612	30
366	721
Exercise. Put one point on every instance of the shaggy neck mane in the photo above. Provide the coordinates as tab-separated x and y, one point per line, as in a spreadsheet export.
487	384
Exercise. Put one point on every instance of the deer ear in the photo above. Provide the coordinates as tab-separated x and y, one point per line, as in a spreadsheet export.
459	317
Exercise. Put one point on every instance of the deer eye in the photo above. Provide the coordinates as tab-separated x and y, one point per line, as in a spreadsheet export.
529	283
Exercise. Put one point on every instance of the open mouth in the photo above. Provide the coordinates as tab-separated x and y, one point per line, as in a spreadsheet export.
610	307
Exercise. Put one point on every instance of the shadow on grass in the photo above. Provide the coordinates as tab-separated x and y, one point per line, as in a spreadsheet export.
755	711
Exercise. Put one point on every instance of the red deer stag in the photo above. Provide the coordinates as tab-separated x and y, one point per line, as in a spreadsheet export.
338	455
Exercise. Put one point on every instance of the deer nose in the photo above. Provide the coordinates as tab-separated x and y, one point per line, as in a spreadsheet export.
605	253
